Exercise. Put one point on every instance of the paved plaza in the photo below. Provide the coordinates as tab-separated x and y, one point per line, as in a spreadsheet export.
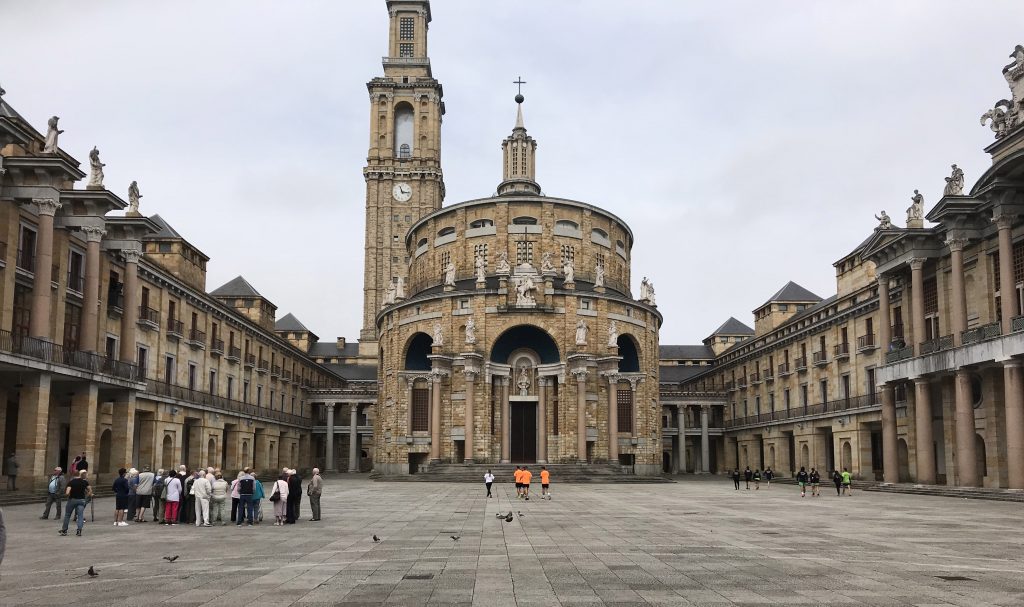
689	543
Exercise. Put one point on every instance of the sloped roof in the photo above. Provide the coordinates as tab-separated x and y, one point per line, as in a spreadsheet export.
793	292
685	352
166	231
330	348
733	327
353	371
236	287
681	373
288	322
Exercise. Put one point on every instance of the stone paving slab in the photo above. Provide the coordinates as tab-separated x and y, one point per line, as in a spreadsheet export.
697	542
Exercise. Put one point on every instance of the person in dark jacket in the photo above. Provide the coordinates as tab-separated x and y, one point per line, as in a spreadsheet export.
748	475
54	492
294	496
122	498
837	479
736	478
801	478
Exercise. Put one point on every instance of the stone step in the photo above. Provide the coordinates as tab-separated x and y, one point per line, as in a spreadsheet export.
977	493
560	473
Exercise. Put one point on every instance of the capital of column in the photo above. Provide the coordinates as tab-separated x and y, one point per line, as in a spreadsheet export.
470	374
612	377
438	375
580	374
956	244
1013	363
917	264
883	280
93	233
47	206
1004	221
704	408
131	255
919	381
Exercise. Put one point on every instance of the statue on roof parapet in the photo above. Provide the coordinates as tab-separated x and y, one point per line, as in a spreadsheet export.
884	223
133	199
95	169
954	183
52	132
915	213
1007	115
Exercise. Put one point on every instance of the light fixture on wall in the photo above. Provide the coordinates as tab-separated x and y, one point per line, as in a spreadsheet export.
174	410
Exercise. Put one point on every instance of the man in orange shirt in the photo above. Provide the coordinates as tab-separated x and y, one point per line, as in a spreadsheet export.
545	480
519	485
524	479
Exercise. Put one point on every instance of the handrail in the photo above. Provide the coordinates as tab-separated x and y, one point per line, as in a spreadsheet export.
147	314
182	393
833	406
55	353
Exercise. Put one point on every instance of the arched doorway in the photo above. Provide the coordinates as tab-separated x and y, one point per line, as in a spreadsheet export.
167	452
771	456
245	454
979	450
847	455
903	453
666	461
211	452
805	455
103	465
417	352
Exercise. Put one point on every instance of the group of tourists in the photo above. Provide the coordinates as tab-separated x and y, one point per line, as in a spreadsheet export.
198	497
843	481
756	476
522	477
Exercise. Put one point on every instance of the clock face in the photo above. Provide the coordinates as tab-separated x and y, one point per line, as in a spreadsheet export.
402	192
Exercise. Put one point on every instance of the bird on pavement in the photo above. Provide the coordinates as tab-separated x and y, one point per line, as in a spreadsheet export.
508	518
171	559
92	572
376	539
521	515
455	538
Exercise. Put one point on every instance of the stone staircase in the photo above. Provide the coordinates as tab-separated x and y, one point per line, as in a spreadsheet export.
560	473
973	493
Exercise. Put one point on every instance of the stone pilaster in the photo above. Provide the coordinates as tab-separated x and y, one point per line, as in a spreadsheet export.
890	457
329	463
924	447
84	409
33	421
966	451
122	432
130	314
1007	300
39	323
581	413
91	302
1013	393
958	297
917	302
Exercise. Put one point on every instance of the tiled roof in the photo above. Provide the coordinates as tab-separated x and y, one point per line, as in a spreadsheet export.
236	287
733	327
288	322
793	292
685	352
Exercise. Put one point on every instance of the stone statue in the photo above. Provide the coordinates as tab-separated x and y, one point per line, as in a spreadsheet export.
955	183
524	291
613	334
481	266
599	275
400	289
438	335
389	296
133	198
650	292
916	210
569	271
50	146
503	267
95	169
884	223
1001	117
1008	114
523	383
581	332
545	263
470	331
449	274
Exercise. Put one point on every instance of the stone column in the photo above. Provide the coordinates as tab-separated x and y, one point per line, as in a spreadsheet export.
705	463
122	433
470	375
613	418
890	452
966	451
1007	298
84	408
506	425
33	421
329	463
581	414
542	421
681	423
39	322
91	303
917	302
884	314
435	416
1013	395
353	438
924	446
130	314
959	295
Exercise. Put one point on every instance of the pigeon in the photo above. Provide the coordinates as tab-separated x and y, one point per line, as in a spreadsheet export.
171	559
376	539
455	538
92	572
508	519
499	515
521	515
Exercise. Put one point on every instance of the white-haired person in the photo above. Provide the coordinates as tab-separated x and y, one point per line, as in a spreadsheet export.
279	497
313	490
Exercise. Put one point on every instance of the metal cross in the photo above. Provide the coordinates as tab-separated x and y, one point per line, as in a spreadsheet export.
520	82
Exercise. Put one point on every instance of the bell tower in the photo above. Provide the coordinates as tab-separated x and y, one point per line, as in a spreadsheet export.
403	166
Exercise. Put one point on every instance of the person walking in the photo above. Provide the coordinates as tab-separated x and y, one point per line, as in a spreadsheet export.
801	479
748	476
158	495
83	464
847	480
524	478
488	480
203	491
757	479
122	498
815	483
246	489
519	485
54	493
12	472
219	501
313	490
736	478
173	500
143	494
768	476
279	496
78	492
837	480
545	482
294	496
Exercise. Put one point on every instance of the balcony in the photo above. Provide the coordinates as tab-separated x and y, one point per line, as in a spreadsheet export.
196	397
820	358
866	343
842	351
768	377
217	347
149	318
250	361
196	339
234	354
755	378
1017	324
784	370
730	386
115	299
826	409
175	328
801	364
936	345
982	333
261	367
26	260
286	376
275	371
76	282
899	354
56	354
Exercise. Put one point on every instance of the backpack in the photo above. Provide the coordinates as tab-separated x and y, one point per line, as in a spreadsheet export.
246	486
158	487
52	488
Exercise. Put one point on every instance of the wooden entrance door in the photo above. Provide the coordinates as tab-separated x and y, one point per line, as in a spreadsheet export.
523	442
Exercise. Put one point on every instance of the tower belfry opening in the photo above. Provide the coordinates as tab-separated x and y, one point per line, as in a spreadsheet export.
519	167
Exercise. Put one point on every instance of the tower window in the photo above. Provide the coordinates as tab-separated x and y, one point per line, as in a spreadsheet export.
480	250
405	49
404	151
568	254
525	221
403	130
481	223
524	252
406	28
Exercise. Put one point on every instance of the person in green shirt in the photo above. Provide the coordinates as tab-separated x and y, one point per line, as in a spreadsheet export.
847	487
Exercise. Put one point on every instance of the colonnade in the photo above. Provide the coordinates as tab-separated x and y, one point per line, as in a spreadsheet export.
353	435
679	461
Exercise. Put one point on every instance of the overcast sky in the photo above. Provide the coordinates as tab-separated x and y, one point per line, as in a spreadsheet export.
745	143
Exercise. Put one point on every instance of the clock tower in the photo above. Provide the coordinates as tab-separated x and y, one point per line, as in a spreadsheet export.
403	166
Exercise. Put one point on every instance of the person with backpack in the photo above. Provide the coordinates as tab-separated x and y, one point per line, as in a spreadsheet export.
246	491
757	479
736	478
837	480
159	495
815	483
54	492
768	476
748	476
801	479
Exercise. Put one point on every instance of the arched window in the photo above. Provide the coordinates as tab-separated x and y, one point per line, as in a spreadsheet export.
599	233
421	243
525	221
482	223
403	130
446	231
565	223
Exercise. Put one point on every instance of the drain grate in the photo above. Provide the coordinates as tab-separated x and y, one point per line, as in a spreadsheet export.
418	576
956	578
769	533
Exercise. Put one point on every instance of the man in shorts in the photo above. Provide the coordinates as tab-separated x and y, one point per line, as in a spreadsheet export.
524	479
519	485
815	483
801	479
847	482
545	481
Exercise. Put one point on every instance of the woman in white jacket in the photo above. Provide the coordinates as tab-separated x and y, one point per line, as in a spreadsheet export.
281	505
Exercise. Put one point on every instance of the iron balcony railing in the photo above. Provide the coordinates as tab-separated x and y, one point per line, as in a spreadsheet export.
842	350
741	383
149	315
936	345
801	363
784	369
195	336
186	395
275	371
115	298
217	347
866	342
175	328
755	377
820	358
899	354
234	354
730	385
250	360
1017	324
26	260
286	376
768	376
261	366
50	352
982	333
833	406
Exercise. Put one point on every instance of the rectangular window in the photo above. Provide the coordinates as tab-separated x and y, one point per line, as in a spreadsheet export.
785	398
111	348
478	250
213	382
845	379
192	372
771	402
420	409
231	387
76	272
446	258
624	397
169	370
871	384
568	253
524	252
804	396
143	355
259	396
72	326
245	390
27	249
22	310
406	28
405	49
600	259
823	390
271	400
